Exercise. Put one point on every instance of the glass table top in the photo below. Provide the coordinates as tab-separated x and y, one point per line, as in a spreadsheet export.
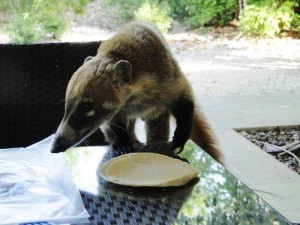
215	197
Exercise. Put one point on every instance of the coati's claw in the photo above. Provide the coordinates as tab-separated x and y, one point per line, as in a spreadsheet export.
176	146
179	150
123	150
127	150
118	152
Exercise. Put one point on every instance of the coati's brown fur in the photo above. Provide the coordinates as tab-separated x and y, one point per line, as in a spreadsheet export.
133	75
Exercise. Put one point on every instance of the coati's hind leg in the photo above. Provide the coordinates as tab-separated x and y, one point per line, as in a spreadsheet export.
131	132
158	128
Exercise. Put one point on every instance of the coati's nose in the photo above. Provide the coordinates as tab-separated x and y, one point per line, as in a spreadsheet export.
59	144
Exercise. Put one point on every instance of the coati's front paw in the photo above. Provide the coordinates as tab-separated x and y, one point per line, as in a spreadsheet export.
121	150
179	139
178	144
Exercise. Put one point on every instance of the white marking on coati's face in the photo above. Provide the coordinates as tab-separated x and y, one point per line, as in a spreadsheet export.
90	113
94	95
109	105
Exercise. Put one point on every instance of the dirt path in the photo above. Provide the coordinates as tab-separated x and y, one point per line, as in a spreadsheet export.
240	67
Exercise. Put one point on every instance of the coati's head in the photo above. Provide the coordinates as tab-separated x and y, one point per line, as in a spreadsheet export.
95	93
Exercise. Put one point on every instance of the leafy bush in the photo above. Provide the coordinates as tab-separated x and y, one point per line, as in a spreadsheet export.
260	18
78	6
25	26
178	9
296	23
204	12
24	29
33	19
156	13
128	7
269	18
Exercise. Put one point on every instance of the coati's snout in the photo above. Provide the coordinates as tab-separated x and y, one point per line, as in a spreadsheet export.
82	117
62	140
66	136
93	97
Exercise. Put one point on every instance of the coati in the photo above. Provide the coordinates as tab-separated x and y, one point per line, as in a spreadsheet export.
133	75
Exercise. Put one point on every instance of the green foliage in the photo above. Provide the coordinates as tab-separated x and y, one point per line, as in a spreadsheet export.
4	5
24	29
260	18
156	13
33	19
178	9
78	6
296	23
269	18
203	12
128	7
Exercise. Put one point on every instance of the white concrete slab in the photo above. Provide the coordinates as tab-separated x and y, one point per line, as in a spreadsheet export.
271	180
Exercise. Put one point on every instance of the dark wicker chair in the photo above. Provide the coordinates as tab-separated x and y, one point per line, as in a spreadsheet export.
32	88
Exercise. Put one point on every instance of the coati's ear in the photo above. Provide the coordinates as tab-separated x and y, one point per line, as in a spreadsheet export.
123	69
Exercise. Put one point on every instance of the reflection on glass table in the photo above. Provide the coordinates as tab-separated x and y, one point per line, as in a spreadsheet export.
215	197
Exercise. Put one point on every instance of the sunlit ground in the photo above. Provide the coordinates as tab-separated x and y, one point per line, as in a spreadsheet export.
221	62
222	65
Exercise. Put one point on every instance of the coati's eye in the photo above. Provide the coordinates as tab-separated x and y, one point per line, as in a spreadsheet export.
87	106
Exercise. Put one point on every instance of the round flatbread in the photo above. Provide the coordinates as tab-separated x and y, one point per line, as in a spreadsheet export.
147	170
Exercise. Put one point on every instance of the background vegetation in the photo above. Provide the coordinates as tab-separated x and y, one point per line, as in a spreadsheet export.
263	18
31	20
270	18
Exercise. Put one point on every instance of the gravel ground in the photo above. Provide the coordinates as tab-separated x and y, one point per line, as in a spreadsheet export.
267	140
